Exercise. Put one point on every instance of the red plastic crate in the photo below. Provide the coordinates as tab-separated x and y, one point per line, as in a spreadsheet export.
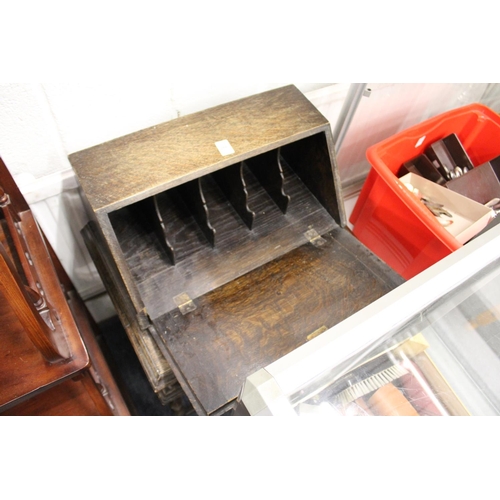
387	218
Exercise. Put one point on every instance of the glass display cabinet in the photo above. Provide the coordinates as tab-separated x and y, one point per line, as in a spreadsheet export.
431	347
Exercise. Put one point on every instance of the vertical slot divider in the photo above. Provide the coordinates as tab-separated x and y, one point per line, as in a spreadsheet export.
233	185
192	193
269	172
154	217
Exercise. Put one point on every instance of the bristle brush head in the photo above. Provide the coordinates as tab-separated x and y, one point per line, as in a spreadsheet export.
370	384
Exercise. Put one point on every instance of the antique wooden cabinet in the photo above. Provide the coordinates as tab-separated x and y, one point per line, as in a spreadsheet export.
51	362
221	239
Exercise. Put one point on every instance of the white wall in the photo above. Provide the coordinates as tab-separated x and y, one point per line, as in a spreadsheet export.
87	115
30	144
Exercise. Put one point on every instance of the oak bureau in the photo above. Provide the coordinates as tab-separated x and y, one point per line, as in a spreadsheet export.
221	239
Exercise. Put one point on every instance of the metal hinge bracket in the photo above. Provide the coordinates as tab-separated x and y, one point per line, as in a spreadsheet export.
184	303
313	236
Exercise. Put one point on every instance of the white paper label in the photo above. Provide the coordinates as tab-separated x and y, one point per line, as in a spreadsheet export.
224	147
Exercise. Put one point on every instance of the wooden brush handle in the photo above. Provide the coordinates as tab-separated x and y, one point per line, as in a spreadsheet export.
389	401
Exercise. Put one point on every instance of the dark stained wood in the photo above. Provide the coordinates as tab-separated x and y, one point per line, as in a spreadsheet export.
148	163
26	368
12	222
133	167
193	196
96	391
261	257
23	369
151	215
156	368
69	398
269	172
14	292
237	252
312	160
41	345
98	379
17	201
232	183
257	318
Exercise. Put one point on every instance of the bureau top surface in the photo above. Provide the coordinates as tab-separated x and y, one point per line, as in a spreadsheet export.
133	167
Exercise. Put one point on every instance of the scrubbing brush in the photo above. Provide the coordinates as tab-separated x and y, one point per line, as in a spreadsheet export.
370	384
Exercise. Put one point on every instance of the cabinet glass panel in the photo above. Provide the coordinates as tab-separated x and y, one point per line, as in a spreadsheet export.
444	361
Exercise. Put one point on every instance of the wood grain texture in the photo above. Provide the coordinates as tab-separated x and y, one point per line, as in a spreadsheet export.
69	398
201	268
269	172
260	123
155	366
15	293
260	289
23	369
311	159
26	372
263	315
231	181
154	218
193	195
150	161
99	380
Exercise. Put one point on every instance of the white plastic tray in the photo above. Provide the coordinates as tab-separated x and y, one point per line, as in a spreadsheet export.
469	217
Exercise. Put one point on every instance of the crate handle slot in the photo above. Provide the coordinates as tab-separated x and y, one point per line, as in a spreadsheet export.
268	170
233	185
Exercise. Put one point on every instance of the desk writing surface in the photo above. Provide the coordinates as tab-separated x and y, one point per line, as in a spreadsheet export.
258	318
